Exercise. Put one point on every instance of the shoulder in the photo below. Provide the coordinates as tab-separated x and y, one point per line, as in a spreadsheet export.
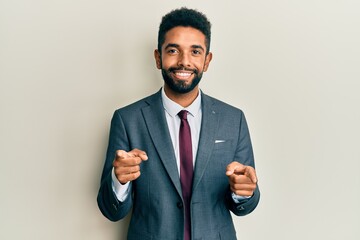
220	106
138	105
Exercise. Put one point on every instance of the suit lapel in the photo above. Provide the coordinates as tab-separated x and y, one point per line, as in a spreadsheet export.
157	126
209	126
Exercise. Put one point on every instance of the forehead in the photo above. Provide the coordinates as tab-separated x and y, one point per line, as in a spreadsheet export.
185	36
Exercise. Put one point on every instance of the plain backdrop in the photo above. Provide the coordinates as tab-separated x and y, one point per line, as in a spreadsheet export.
291	66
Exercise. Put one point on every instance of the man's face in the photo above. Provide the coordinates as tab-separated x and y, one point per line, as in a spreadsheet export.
183	59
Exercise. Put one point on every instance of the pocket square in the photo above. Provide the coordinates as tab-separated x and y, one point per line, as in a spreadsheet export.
219	141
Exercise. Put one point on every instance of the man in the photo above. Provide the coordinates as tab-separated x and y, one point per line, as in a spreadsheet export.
181	172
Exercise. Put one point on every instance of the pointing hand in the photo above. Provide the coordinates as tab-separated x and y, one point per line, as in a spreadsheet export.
127	164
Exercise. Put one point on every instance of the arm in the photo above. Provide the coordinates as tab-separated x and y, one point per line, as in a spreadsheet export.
121	167
242	175
244	194
108	203
244	206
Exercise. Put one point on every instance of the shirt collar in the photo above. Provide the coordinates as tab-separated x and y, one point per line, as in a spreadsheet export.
172	108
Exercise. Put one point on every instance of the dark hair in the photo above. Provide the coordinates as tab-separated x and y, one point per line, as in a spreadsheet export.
186	18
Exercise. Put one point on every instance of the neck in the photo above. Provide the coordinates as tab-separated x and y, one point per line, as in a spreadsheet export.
183	99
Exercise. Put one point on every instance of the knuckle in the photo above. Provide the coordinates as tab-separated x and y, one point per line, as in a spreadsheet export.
136	175
237	186
232	177
117	162
138	161
237	179
122	178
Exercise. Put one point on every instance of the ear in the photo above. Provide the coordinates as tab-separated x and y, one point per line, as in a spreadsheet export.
207	61
157	56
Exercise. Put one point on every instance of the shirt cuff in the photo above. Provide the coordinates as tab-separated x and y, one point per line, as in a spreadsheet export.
121	191
238	199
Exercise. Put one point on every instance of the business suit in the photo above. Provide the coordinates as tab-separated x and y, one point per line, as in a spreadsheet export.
158	211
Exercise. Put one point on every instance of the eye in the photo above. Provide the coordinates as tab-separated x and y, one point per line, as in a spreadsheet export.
172	51
196	52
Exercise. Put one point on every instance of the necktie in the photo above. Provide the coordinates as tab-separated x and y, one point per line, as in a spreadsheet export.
186	168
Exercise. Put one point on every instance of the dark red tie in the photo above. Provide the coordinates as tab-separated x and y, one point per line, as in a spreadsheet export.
186	169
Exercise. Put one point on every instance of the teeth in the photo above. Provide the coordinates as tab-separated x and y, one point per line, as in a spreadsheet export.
183	74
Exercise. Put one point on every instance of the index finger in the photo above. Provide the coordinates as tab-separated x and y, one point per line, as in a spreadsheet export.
121	154
250	173
139	153
132	158
234	167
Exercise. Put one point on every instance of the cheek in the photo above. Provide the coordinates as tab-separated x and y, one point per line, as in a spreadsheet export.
167	62
201	65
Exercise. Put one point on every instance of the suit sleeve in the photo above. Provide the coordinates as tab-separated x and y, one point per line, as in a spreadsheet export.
107	201
244	155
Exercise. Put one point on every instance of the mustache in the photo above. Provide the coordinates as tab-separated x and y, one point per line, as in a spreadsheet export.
172	69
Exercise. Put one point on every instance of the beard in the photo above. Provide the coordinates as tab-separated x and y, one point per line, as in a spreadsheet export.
180	86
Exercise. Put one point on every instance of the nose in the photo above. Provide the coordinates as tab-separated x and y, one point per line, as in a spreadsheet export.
184	60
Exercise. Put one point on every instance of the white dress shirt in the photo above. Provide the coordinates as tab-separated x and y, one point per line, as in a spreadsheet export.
174	121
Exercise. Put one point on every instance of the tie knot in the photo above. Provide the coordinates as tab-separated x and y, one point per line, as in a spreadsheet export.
183	114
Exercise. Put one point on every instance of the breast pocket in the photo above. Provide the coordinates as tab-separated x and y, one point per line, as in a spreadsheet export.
224	145
222	154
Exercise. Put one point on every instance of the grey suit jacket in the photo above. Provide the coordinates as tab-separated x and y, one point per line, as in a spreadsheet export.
156	199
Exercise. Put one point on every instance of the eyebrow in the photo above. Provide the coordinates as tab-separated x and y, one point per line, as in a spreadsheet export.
170	45
197	46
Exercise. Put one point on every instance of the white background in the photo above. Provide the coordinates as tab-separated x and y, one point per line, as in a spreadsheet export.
292	66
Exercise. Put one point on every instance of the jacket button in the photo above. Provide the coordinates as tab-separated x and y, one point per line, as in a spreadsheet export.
179	204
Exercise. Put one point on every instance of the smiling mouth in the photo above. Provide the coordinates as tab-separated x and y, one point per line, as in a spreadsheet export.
182	75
